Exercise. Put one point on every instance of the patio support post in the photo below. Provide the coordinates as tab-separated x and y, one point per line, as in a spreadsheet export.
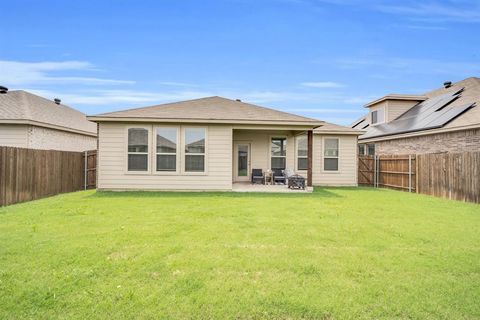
310	157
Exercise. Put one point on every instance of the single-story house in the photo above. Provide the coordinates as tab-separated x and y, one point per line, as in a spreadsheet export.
443	120
213	143
30	121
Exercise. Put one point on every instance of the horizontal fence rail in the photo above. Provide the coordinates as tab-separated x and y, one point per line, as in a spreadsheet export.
28	174
447	175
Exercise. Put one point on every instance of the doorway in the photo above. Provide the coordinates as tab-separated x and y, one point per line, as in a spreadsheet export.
242	162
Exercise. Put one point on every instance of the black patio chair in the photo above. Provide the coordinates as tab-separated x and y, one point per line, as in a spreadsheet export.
258	176
279	176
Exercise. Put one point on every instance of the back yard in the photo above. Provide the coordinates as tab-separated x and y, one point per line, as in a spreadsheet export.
334	254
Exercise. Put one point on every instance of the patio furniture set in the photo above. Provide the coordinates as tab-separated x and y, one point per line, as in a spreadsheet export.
278	176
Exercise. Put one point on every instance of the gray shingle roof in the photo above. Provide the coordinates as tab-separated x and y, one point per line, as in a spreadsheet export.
205	109
23	107
331	128
457	106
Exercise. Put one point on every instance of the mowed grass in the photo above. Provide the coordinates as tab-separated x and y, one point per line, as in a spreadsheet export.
339	253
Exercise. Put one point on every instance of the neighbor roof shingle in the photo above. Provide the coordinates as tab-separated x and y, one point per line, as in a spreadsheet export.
462	109
21	106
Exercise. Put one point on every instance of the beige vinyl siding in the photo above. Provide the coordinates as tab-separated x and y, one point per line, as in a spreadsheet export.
395	108
381	105
347	173
112	170
13	135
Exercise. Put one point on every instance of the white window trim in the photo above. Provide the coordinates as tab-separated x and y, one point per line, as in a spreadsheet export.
177	154
270	149
149	146
330	157
297	156
183	153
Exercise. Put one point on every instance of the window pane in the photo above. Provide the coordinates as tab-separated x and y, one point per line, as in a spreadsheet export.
330	164
302	146
302	164
242	160
374	117
137	162
279	147
371	149
166	140
195	140
278	163
331	148
194	163
137	140
166	162
361	149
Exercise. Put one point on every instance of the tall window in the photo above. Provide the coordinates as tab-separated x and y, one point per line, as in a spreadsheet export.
302	153
278	153
166	149
330	154
137	149
195	149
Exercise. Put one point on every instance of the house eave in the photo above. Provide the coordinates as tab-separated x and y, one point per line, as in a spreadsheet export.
312	124
46	125
398	97
339	132
417	133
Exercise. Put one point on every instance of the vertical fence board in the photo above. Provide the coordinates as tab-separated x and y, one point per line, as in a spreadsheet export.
28	174
451	175
447	175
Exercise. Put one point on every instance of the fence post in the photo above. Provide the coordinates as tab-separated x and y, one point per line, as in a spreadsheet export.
85	171
379	173
409	173
374	171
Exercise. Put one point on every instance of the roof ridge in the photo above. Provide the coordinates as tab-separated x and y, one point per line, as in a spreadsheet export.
25	108
172	104
158	105
27	93
271	109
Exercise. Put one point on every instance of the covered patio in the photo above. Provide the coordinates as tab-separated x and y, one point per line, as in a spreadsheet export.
285	148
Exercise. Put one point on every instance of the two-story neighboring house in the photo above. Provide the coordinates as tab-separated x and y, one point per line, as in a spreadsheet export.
31	121
443	120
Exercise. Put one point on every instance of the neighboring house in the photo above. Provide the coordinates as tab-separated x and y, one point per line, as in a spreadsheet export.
211	143
30	121
443	120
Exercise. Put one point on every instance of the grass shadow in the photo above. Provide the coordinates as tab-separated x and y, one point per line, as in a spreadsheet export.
318	193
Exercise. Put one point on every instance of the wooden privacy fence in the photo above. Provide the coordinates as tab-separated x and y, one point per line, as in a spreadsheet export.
28	174
448	175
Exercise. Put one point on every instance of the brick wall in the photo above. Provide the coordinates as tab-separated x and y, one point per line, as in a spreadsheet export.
50	139
458	141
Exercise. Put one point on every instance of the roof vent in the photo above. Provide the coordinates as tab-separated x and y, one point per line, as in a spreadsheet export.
3	89
238	100
447	84
57	101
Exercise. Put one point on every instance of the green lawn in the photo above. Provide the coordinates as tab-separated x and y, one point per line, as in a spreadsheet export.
333	254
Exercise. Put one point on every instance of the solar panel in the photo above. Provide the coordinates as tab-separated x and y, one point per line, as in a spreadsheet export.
360	121
429	114
449	115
